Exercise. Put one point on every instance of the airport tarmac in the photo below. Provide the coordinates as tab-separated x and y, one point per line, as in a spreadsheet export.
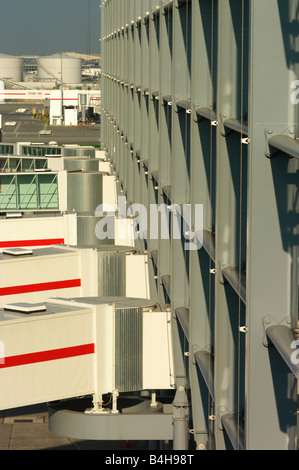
27	128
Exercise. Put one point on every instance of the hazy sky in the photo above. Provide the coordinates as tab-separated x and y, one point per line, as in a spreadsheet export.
42	27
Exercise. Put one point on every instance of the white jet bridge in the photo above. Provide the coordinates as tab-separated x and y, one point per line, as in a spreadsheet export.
90	348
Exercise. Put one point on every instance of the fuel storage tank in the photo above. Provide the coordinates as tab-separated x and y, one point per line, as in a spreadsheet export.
53	66
11	68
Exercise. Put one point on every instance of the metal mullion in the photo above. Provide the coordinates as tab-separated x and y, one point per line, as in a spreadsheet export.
180	187
153	102
154	36
272	276
182	51
114	60
178	268
122	92
203	176
131	97
182	27
117	92
145	84
127	110
111	83
137	101
229	394
165	148
103	78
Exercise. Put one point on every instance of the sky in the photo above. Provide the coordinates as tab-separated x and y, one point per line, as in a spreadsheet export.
43	27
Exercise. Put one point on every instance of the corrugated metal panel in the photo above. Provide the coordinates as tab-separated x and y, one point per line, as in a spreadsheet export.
86	164
112	274
84	191
128	349
86	225
79	152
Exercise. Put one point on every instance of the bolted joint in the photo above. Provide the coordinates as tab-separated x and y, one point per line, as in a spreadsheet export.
181	420
180	400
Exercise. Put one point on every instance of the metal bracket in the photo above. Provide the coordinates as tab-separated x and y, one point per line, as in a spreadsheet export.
243	329
138	21
224	131
146	17
201	446
270	132
195	433
195	348
155	12
222	279
270	321
222	411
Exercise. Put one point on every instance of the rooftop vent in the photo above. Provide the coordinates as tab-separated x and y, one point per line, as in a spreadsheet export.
25	308
14	215
17	251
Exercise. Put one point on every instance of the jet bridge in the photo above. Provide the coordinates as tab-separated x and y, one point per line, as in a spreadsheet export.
88	347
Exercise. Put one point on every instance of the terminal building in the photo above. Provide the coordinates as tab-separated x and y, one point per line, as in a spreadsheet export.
200	108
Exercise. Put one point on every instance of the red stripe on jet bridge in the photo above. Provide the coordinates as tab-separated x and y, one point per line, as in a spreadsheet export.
64	99
44	286
20	243
12	94
46	356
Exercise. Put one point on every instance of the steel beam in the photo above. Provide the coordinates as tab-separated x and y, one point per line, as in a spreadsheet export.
230	219
272	250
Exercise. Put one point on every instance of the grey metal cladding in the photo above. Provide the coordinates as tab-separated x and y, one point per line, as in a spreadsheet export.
217	126
128	349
